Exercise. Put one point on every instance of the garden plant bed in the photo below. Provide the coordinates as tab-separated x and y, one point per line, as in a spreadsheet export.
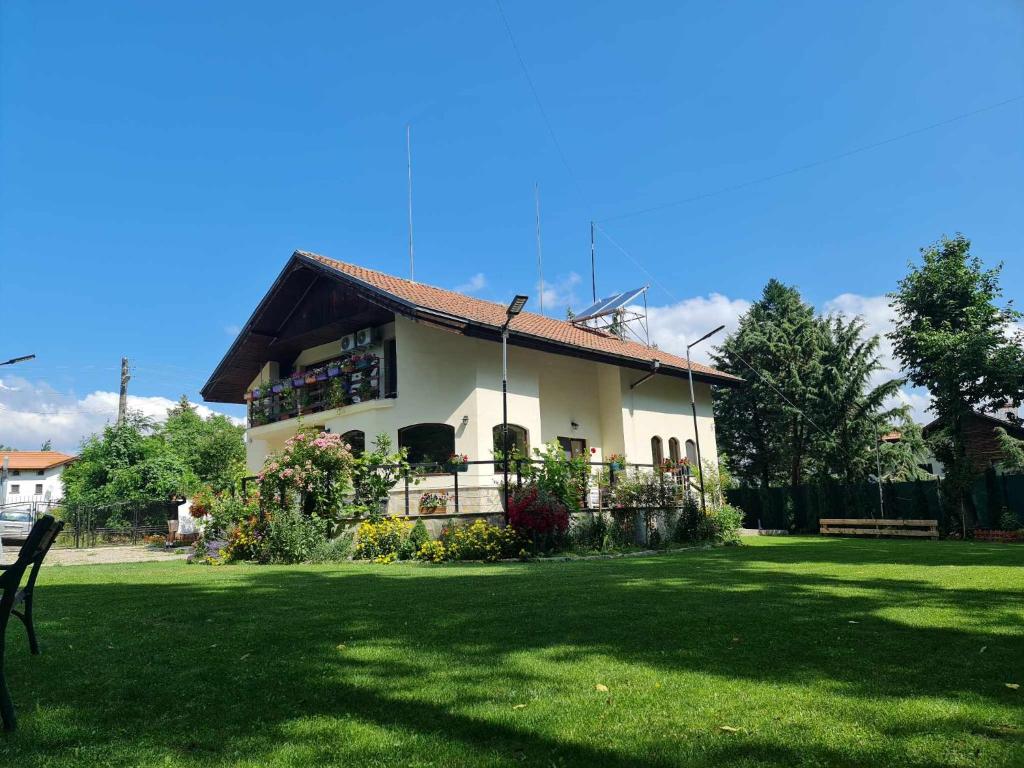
784	651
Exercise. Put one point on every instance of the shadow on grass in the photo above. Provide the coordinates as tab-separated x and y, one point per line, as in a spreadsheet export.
248	663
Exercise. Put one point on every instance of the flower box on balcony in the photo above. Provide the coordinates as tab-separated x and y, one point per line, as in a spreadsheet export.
277	388
255	394
298	381
333	371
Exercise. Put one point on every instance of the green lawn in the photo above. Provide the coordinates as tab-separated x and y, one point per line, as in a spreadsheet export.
818	652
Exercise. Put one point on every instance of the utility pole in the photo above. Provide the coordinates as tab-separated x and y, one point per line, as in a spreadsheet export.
122	402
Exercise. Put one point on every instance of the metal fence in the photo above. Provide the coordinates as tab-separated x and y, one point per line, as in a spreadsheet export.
127	522
481	493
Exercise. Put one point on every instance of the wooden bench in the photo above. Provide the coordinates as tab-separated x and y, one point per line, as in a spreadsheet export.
879	527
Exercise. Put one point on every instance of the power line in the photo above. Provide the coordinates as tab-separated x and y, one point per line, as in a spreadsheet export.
815	163
540	104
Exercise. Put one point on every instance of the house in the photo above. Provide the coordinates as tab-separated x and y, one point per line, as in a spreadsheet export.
359	352
32	476
982	444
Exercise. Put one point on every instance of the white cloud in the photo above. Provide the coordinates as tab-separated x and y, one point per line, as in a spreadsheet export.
476	283
559	294
33	412
232	330
673	326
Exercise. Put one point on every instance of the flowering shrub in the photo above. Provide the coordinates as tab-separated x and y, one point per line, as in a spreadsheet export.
314	470
458	459
248	539
538	516
202	502
478	541
381	539
432	552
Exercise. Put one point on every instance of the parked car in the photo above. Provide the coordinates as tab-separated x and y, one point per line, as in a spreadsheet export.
16	522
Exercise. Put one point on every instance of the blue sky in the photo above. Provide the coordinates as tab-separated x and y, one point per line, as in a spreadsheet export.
159	162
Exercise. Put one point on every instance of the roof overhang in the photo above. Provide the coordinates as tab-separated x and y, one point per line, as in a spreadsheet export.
271	332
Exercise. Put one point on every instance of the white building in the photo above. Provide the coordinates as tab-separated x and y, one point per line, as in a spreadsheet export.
32	476
360	352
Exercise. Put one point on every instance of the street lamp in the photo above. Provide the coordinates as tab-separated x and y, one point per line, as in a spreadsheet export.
21	359
693	409
513	309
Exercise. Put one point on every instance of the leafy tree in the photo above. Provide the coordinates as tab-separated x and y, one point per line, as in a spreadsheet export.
212	447
952	338
46	446
126	462
1014	450
7	447
757	425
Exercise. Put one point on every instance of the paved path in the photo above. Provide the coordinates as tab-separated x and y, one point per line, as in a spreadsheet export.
95	555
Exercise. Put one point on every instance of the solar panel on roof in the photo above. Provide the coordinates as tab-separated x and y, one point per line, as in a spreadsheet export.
609	305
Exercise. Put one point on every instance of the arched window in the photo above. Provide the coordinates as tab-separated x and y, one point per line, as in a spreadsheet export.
518	444
657	452
691	452
673	449
428	443
356	439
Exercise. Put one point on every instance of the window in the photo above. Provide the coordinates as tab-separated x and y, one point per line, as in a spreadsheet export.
39	489
390	369
673	449
41	473
574	447
428	443
691	452
518	443
15	489
356	438
657	452
15	472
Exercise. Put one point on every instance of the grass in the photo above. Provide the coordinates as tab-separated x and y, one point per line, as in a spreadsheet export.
818	652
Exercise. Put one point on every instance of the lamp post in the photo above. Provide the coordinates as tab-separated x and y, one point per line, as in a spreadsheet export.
693	409
518	302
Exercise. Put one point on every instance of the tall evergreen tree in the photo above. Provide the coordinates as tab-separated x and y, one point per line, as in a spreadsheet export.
759	426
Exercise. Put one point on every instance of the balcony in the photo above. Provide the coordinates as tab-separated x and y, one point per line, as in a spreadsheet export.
346	381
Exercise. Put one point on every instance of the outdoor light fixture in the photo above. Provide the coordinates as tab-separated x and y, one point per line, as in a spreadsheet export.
693	409
24	358
574	425
465	420
516	306
518	302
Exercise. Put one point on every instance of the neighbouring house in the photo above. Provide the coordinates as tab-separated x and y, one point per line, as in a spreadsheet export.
982	443
359	352
32	476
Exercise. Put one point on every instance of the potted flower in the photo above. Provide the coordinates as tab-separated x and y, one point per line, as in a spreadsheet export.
617	462
277	388
458	462
256	394
310	377
433	502
333	369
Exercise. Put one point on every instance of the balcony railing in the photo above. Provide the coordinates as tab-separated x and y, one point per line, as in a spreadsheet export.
339	383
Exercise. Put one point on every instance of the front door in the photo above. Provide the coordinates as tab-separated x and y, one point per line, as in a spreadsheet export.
574	447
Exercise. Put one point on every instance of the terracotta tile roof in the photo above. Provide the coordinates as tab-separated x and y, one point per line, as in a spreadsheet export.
34	459
527	323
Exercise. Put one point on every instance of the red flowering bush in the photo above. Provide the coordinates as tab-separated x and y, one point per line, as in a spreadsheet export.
538	516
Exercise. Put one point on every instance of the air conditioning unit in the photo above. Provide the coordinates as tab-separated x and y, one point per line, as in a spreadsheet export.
365	337
348	343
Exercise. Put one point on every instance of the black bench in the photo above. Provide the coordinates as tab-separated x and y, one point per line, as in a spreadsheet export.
17	600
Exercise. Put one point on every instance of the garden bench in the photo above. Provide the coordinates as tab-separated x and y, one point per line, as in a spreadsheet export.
879	527
17	600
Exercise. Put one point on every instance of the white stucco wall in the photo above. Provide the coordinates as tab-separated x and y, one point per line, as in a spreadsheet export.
443	377
22	487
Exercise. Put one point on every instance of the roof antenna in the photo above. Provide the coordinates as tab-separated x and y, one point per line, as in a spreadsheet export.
593	275
540	255
408	154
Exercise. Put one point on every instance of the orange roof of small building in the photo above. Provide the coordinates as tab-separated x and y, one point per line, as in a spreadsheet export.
35	459
527	323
